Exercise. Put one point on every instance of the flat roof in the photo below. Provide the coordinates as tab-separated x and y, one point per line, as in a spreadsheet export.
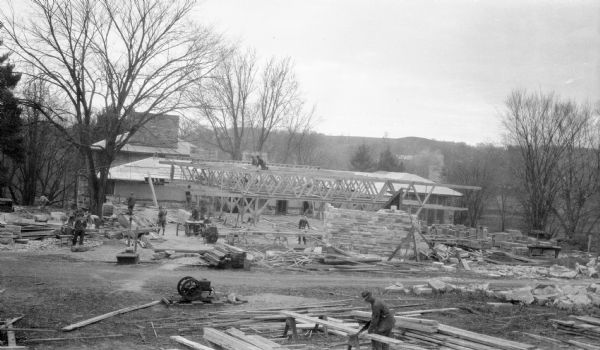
183	147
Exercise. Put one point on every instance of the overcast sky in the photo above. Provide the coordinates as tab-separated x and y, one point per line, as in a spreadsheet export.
435	69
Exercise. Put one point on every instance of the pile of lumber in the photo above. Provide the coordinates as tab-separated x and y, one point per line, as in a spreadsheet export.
225	256
336	318
31	230
231	339
585	328
455	338
338	261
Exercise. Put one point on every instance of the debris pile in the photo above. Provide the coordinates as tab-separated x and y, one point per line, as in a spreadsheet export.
225	256
364	231
45	245
276	325
566	297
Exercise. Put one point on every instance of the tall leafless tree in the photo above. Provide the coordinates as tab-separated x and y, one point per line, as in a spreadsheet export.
225	102
279	104
542	127
137	55
578	175
476	167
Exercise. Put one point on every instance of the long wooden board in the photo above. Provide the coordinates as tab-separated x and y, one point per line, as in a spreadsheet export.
226	341
483	339
418	324
256	340
349	330
190	344
108	315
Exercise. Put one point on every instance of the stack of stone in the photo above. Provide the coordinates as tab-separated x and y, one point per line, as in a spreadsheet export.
367	232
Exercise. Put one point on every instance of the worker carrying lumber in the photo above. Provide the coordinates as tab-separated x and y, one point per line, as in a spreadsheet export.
162	219
79	226
303	226
130	203
382	320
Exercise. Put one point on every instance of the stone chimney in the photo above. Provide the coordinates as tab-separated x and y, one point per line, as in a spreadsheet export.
161	131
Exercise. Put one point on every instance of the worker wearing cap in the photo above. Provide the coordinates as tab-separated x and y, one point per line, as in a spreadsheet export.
382	320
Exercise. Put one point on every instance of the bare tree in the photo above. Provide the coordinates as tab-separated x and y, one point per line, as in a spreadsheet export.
299	142
126	56
477	167
278	104
541	127
578	175
226	101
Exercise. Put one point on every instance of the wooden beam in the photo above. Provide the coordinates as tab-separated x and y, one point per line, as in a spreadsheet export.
108	315
10	334
349	330
256	340
583	345
483	339
226	341
152	189
423	325
103	336
190	344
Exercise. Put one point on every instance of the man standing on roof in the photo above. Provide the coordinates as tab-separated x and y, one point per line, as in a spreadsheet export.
130	203
382	320
261	163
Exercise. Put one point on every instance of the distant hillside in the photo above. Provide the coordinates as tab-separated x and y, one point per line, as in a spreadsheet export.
337	150
334	152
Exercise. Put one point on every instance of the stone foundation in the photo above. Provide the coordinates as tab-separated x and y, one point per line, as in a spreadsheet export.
366	231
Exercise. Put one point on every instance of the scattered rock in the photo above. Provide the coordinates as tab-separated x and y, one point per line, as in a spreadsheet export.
501	306
522	295
561	272
437	285
395	289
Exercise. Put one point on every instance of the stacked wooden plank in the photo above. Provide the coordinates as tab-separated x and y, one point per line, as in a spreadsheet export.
460	339
31	230
585	327
225	256
231	339
338	318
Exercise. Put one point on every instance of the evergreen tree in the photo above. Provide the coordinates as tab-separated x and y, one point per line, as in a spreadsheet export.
362	160
11	139
388	161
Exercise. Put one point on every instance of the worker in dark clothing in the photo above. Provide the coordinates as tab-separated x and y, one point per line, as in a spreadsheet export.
130	203
79	226
195	213
382	320
254	161
188	197
162	219
261	163
303	225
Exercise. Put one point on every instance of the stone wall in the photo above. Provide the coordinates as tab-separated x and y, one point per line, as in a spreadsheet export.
366	231
160	131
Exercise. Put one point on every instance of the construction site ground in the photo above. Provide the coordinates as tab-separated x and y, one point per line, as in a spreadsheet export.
56	287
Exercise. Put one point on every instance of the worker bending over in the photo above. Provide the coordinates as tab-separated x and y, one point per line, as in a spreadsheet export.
382	320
